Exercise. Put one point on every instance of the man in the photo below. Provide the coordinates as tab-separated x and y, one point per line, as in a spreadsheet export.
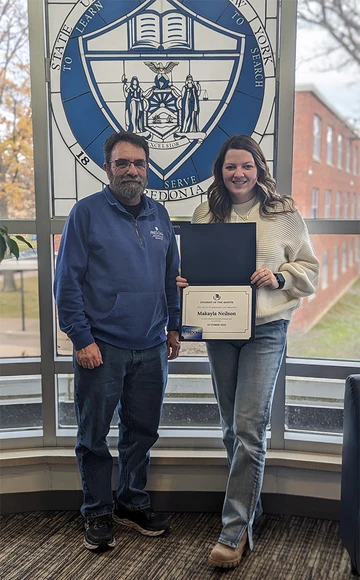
116	292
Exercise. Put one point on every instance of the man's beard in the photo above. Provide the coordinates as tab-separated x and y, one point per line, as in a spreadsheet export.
127	189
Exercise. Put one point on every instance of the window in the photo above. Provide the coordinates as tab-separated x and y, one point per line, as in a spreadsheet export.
324	277
336	263
329	145
348	155
314	203
327	212
326	326
312	406
355	160
322	327
19	303
343	261
338	204
339	151
353	206
351	253
21	403
346	205
317	137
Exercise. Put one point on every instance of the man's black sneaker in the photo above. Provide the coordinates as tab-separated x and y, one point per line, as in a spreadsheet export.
145	521
98	532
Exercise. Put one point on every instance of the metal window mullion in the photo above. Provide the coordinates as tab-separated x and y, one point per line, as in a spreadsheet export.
283	168
277	440
22	227
40	119
285	79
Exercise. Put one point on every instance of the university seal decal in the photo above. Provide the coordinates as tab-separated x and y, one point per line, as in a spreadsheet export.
184	74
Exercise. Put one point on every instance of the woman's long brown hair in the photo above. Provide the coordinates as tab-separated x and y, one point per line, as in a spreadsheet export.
271	202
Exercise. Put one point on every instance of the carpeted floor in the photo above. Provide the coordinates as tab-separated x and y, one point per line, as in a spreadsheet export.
48	546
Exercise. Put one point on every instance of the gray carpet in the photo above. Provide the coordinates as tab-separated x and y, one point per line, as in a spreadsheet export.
48	546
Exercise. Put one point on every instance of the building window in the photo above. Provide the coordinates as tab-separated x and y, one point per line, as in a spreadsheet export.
327	212
355	160
324	277
336	263
339	151
338	204
314	203
329	145
348	155
343	261
351	253
317	137
353	206
346	205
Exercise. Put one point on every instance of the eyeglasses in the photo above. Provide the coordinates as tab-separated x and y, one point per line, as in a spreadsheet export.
125	163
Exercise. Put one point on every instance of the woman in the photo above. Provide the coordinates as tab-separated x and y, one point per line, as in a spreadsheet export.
244	373
134	115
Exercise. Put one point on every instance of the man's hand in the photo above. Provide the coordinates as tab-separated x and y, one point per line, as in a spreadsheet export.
181	282
89	357
173	344
264	277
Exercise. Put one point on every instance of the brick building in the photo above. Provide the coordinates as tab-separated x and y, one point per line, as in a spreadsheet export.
326	185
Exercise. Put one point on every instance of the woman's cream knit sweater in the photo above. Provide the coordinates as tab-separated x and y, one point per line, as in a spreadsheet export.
282	245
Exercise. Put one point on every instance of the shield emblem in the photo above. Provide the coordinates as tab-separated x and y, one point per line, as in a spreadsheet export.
155	72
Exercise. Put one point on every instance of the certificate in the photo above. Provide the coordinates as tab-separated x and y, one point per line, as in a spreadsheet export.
217	313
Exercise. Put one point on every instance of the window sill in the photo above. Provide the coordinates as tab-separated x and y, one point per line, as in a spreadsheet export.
177	457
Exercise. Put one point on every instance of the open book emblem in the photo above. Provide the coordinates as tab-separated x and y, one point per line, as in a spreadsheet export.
165	73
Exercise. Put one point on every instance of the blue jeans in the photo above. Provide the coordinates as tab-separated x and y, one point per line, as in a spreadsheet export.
134	381
244	376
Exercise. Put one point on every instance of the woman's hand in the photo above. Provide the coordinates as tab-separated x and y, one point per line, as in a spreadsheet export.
264	277
181	282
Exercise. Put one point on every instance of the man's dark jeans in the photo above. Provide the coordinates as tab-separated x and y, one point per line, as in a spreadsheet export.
134	381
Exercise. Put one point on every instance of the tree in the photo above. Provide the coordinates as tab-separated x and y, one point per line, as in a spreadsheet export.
341	20
16	148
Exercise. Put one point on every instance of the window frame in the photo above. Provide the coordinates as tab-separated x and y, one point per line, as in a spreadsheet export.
340	141
348	156
329	145
338	204
344	257
314	202
325	270
327	208
317	123
336	264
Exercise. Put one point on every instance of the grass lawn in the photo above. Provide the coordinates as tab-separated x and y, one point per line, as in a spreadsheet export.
337	335
10	302
23	246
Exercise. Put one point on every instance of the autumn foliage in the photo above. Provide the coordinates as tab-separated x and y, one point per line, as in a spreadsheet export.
16	145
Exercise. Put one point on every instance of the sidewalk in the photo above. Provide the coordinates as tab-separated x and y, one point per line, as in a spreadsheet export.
15	342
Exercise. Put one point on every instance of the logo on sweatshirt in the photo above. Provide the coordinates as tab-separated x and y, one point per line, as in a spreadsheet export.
157	234
184	74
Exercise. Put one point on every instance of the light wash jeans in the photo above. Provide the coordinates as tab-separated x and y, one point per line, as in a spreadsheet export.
134	381
244	376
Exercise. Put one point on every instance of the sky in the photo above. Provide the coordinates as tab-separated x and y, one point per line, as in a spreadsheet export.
341	88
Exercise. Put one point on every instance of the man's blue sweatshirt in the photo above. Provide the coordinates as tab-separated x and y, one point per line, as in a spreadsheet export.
115	275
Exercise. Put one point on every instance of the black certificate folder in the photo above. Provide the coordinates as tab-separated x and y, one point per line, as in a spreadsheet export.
217	260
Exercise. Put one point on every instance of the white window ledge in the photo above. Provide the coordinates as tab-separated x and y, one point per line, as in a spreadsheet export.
178	457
